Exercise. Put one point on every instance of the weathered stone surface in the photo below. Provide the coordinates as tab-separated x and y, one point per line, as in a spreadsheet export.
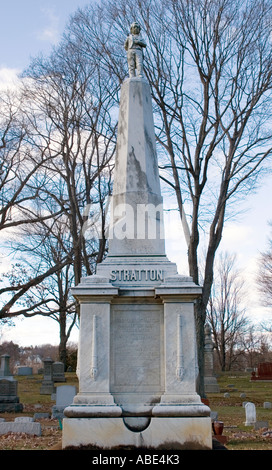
9	401
250	409
20	427
64	397
109	433
137	362
136	184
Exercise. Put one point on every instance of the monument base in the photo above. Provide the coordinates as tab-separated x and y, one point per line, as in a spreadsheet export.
177	433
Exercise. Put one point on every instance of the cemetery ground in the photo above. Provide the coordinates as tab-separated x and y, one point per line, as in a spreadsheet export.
229	408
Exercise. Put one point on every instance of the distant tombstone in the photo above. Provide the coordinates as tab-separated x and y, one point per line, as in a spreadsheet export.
24	419
47	384
264	372
261	425
210	382
250	414
38	416
64	397
4	369
9	401
267	404
24	370
58	372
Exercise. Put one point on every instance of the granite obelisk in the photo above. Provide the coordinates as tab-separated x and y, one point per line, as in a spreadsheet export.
137	364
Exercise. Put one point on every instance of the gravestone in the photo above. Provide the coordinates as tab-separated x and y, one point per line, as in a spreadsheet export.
64	397
26	427
5	369
210	382
9	400
24	419
267	404
58	372
24	370
250	414
137	363
264	372
38	416
47	387
261	425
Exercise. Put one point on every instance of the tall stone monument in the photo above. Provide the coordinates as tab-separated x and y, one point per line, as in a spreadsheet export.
210	382
137	364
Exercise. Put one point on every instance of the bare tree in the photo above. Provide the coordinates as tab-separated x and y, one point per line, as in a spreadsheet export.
209	65
264	278
69	121
69	96
225	311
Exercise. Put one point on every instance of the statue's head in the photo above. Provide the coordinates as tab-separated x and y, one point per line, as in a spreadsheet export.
135	28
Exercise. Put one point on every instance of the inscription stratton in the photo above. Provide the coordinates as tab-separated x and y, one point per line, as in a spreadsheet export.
136	275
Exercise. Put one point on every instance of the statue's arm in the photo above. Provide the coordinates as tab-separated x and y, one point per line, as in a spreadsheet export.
140	42
126	43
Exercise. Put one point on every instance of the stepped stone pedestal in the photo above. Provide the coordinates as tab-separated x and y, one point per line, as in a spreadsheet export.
137	363
9	400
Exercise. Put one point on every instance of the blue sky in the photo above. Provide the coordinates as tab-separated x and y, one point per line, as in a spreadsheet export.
32	26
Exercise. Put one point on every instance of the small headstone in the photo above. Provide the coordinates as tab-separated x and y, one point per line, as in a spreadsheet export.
64	397
242	395
23	419
250	414
41	416
267	404
226	395
21	427
58	372
261	425
24	370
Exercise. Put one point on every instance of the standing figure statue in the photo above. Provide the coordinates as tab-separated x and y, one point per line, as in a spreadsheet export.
134	46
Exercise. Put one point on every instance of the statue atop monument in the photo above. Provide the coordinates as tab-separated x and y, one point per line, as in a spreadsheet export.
134	45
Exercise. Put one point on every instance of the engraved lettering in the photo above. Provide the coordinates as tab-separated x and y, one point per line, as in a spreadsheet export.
113	275
137	275
160	275
133	275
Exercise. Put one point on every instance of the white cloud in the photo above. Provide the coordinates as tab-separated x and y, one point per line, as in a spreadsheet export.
51	32
9	78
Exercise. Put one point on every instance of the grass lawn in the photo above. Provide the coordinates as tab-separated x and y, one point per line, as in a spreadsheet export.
230	411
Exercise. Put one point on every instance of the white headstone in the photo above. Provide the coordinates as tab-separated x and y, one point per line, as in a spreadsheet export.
250	414
65	395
